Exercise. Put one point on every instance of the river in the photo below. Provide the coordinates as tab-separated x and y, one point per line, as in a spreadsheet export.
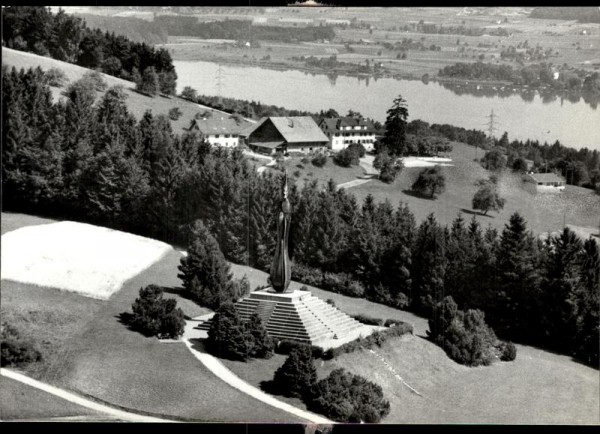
574	124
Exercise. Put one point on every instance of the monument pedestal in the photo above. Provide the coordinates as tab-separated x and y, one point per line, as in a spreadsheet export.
297	315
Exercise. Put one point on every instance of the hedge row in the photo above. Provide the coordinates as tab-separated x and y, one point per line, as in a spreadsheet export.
399	328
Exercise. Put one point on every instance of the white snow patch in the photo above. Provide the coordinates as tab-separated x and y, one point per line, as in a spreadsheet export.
90	260
426	161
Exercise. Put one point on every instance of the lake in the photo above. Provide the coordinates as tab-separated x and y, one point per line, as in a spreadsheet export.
574	124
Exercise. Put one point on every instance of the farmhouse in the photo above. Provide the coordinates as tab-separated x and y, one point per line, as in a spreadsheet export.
347	130
287	134
543	182
219	128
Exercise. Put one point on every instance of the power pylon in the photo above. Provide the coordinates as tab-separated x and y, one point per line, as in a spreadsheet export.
492	125
219	78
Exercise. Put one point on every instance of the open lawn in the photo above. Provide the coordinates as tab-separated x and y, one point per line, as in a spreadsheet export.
540	387
21	402
11	221
137	103
77	257
124	368
544	212
307	172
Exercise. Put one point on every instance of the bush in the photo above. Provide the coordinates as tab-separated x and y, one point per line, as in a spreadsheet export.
96	79
391	322
55	77
357	148
465	337
508	351
345	397
298	375
346	157
519	165
155	316
319	160
16	351
297	173
305	160
330	301
227	337
368	320
431	182
494	160
175	113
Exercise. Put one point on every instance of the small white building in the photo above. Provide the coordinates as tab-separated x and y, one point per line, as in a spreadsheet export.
220	129
544	182
346	130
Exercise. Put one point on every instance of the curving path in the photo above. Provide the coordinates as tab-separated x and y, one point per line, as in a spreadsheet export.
79	400
216	367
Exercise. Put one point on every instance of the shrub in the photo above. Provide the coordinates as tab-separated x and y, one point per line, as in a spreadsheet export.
357	148
519	165
365	319
346	157
345	397
155	316
355	289
96	79
297	173
494	160
330	301
391	322
465	337
16	351
298	375
227	337
305	160
319	160
508	351
55	77
487	198
175	113
431	182
300	166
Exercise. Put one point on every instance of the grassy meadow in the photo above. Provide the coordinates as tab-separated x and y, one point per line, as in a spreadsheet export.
543	212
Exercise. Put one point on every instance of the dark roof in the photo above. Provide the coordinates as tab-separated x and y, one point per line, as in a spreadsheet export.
296	129
546	177
219	123
334	124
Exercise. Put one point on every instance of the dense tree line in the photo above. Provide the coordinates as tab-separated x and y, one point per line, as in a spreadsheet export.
533	75
441	29
240	30
134	29
94	162
68	38
581	14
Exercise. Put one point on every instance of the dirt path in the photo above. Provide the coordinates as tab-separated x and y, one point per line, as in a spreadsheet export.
192	334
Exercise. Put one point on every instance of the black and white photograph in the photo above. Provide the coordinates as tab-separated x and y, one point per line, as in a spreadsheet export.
302	216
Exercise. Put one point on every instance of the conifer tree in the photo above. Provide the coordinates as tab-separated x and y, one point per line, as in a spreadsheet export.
227	336
298	375
514	309
395	127
204	271
261	343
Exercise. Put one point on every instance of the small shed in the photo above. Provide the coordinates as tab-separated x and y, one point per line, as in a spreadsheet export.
544	182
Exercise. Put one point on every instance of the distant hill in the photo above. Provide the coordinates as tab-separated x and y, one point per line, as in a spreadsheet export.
135	29
581	14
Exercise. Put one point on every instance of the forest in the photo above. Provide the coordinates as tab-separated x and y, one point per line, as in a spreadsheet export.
93	162
533	75
582	14
240	30
64	37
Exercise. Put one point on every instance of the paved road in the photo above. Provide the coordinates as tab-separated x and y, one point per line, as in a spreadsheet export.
79	400
370	173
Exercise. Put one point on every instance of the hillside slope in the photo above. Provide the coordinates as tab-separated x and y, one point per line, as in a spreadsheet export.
137	103
544	212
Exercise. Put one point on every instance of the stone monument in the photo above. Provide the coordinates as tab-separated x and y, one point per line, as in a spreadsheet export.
296	315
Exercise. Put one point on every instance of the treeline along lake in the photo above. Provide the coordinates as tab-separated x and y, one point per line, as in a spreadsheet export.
574	124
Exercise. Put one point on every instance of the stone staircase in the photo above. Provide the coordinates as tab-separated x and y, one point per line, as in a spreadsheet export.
298	316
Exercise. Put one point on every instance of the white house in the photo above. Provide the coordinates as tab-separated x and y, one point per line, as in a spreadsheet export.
346	130
220	129
543	182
